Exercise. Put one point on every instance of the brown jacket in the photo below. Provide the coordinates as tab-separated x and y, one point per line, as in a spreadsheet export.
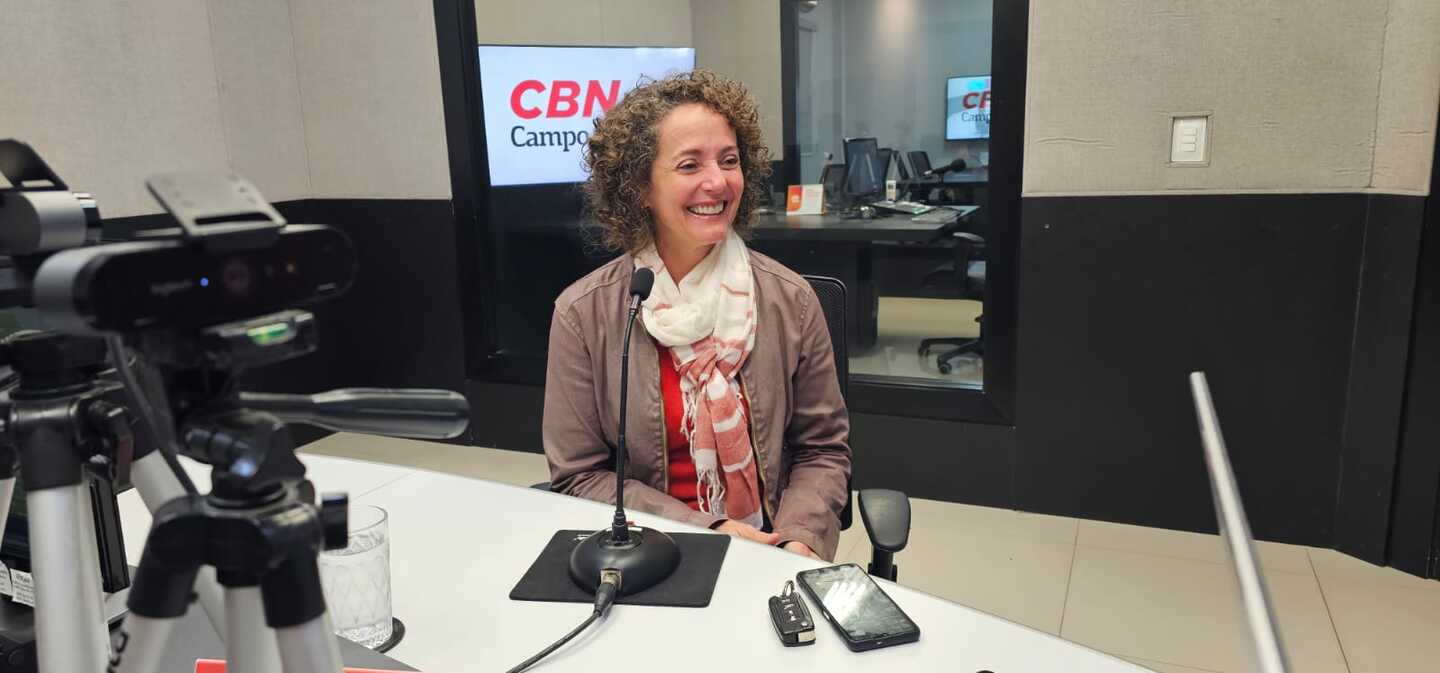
799	426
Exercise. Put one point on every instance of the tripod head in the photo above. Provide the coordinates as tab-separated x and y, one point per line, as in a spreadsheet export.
65	372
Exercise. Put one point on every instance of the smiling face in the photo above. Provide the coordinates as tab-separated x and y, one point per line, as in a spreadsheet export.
695	181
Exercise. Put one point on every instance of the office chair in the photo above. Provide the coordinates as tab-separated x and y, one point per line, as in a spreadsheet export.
900	166
924	184
886	513
920	161
832	178
967	270
886	154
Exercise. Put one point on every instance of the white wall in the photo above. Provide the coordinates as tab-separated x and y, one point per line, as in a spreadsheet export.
121	91
1297	89
1409	97
306	98
741	39
259	87
654	23
370	92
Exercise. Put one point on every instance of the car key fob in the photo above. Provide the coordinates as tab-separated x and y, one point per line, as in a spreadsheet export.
791	618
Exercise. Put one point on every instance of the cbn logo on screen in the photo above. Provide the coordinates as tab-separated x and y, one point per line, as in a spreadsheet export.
540	103
564	98
976	99
563	102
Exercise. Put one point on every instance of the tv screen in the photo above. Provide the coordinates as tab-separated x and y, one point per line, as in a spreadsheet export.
540	103
967	108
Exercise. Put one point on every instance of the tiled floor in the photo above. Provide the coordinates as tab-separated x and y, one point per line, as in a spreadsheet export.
1163	599
903	323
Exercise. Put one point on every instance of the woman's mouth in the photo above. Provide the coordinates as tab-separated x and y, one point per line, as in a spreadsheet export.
709	209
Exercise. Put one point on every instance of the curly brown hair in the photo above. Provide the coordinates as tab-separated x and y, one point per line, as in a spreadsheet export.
622	149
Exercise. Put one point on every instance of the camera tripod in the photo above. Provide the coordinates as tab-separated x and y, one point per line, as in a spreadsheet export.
246	549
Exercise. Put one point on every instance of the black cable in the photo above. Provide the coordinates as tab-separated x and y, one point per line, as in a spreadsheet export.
157	424
604	598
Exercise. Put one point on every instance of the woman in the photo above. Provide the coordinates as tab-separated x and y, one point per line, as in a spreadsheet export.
735	417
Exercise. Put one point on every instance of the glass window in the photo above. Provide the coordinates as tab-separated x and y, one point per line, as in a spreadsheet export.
892	114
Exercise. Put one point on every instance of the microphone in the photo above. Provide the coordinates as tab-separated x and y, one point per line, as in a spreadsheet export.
641	282
641	556
954	166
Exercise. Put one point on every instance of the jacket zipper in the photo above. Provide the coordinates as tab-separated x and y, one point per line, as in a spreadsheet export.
755	444
664	441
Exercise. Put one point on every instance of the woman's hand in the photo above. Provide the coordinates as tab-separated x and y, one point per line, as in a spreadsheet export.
748	532
802	549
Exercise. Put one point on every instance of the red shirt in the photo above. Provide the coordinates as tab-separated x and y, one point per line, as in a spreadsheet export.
681	465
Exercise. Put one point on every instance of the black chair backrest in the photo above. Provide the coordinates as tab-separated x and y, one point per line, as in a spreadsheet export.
832	177
831	293
886	154
920	161
900	166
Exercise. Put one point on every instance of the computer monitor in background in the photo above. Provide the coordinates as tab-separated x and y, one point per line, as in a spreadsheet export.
862	168
1266	650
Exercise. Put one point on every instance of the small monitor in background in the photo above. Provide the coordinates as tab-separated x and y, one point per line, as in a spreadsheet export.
967	108
920	161
864	179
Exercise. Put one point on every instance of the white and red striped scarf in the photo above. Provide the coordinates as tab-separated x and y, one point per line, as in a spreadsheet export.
707	322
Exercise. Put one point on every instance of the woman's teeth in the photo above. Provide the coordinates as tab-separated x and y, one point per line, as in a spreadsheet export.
713	209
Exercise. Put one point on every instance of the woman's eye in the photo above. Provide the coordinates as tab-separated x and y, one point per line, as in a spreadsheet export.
731	160
688	166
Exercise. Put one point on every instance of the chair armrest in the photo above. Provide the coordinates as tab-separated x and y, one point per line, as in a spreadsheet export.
973	239
886	514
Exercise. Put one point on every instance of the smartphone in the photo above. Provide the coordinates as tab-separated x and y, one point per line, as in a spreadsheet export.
856	606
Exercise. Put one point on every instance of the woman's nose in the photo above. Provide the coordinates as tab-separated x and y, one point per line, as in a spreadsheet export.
712	178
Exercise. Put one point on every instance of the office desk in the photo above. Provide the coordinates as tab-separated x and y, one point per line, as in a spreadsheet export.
831	227
961	184
458	546
830	245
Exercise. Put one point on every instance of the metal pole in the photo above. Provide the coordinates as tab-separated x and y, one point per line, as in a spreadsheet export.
250	645
70	630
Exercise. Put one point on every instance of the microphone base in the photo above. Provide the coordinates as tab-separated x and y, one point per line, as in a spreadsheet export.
644	561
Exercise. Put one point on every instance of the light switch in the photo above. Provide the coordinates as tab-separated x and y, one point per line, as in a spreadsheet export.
1189	140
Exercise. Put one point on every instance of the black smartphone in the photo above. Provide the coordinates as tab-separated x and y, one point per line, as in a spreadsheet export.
856	606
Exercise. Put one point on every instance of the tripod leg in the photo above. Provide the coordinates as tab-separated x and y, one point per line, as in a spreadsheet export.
7	491
70	629
250	644
89	578
310	647
141	644
295	608
159	592
157	485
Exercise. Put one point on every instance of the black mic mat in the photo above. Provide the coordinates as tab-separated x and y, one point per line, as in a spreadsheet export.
690	586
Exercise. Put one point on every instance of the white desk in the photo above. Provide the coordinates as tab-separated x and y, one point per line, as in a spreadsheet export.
459	545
